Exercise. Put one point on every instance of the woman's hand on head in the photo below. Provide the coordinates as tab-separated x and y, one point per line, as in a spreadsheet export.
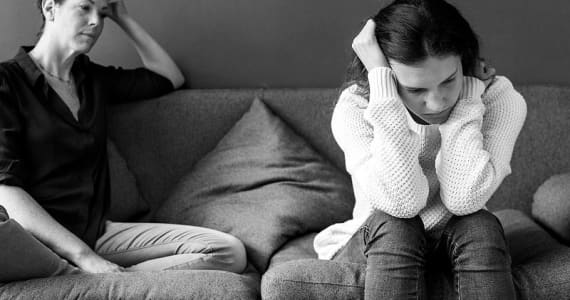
484	72
366	47
113	9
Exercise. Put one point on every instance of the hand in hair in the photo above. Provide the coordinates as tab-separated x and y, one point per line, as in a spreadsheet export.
484	72
114	9
366	47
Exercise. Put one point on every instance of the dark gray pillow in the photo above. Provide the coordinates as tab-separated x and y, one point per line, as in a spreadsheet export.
551	205
263	184
127	204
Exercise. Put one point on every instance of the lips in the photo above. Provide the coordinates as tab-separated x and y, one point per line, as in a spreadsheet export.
438	114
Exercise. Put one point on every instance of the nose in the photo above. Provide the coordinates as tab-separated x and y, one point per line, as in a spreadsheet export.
435	102
95	19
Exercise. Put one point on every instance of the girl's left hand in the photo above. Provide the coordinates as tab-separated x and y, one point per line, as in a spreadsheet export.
484	72
114	9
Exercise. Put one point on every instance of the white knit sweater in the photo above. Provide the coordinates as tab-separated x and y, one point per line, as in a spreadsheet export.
435	171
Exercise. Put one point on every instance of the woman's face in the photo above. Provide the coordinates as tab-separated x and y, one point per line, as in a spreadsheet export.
77	24
430	88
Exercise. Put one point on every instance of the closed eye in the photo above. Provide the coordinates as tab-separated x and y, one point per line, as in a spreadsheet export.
414	91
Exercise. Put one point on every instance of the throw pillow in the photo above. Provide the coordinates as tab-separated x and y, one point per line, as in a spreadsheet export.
263	184
127	204
24	257
551	205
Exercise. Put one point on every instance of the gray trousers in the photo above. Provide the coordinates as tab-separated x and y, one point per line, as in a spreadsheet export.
135	246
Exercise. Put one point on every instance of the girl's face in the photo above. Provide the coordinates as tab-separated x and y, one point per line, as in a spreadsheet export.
430	88
77	24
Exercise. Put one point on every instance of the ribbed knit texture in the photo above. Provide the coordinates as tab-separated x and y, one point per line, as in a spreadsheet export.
435	171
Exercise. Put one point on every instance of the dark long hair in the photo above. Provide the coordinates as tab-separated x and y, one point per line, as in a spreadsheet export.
409	31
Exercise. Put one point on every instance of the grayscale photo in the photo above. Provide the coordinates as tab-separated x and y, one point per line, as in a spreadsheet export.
276	150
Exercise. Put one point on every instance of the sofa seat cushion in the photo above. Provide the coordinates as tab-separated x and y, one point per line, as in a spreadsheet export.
541	265
551	205
138	286
541	268
263	184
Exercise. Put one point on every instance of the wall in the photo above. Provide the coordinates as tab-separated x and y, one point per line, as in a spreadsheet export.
305	43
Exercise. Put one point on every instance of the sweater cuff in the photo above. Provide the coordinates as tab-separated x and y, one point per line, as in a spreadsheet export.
472	88
382	84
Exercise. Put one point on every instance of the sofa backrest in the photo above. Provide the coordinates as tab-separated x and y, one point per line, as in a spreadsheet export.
161	139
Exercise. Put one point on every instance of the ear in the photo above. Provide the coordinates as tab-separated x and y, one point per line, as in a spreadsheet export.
48	9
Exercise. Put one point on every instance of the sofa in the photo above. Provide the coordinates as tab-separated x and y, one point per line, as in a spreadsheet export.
172	160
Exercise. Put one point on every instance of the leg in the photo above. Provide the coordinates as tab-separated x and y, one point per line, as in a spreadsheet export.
393	250
24	257
480	261
149	246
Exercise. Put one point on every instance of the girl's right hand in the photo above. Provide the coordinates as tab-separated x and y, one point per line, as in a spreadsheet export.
367	49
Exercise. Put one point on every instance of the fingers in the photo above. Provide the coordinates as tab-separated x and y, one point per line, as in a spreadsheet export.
367	49
483	70
366	36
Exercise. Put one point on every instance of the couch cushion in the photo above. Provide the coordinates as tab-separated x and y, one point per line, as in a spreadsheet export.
541	265
551	205
263	184
24	257
127	204
541	268
138	286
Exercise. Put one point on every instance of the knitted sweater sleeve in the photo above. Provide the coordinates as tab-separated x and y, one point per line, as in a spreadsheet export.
477	143
381	152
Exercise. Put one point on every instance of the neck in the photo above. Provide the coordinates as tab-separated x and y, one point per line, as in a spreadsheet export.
53	60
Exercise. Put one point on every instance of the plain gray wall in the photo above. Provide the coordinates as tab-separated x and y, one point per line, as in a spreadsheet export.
305	43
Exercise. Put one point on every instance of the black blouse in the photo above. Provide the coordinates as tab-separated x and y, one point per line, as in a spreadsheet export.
62	162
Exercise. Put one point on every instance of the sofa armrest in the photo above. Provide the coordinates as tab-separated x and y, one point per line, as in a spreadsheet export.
551	206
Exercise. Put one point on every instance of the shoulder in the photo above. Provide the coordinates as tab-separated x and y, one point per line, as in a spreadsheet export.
348	116
502	99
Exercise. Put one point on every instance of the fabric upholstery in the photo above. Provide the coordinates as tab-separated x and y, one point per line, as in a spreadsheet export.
263	184
541	149
541	267
24	257
551	205
197	285
127	204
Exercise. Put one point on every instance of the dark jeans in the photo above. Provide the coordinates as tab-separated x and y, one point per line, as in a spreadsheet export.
397	253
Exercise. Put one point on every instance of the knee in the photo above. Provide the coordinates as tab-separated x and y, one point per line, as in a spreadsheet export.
395	231
480	233
230	254
480	227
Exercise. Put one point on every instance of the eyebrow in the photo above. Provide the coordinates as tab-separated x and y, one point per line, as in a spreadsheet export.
448	78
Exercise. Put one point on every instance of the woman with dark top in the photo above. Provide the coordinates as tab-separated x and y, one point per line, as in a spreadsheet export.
54	176
428	133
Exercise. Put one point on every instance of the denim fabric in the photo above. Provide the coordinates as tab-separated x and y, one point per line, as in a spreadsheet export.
397	254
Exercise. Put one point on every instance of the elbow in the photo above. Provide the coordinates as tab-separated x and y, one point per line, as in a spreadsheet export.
463	210
466	204
404	208
178	81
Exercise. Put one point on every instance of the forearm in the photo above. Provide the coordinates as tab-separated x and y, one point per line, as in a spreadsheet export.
32	217
388	172
467	171
153	56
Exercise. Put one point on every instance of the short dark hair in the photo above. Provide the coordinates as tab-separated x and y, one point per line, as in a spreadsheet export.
409	31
